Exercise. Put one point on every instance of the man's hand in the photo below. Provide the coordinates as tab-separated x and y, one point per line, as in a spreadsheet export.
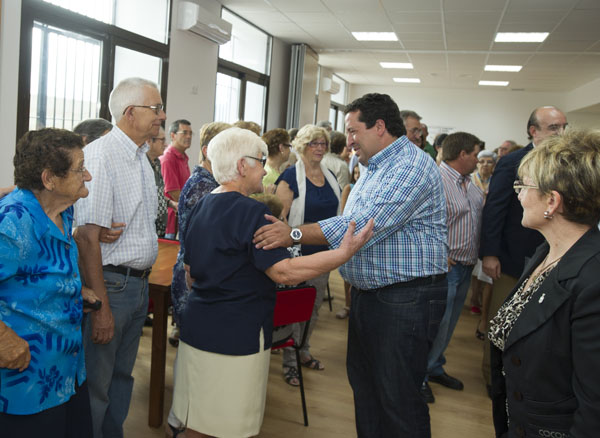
274	235
103	325
491	266
111	236
14	350
450	264
173	204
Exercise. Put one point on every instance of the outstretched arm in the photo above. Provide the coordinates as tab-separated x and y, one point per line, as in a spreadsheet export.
296	270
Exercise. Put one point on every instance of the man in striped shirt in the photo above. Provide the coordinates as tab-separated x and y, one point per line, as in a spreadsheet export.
122	190
398	278
464	204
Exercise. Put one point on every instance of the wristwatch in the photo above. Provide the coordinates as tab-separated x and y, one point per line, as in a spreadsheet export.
296	235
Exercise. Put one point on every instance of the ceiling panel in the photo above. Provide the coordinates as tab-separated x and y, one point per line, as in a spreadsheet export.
448	41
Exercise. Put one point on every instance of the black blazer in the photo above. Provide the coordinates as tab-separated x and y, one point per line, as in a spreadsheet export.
551	359
502	234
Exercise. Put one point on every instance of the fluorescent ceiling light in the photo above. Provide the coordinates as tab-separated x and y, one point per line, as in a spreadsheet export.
405	65
511	68
521	37
494	83
410	80
375	36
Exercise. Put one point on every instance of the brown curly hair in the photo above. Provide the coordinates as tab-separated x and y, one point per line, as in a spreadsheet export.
274	138
47	148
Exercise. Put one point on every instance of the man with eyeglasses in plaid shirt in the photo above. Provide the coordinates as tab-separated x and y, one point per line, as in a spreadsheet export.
398	278
122	190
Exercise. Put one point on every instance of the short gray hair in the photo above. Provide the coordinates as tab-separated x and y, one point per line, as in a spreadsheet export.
405	114
127	92
227	147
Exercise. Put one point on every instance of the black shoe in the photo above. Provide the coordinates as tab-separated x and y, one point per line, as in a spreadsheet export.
426	393
447	381
148	321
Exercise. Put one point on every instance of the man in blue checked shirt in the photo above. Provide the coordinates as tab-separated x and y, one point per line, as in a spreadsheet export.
398	278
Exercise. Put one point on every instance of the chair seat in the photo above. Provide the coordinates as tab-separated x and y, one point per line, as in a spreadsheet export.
288	343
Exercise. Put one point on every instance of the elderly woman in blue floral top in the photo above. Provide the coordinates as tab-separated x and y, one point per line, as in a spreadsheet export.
42	370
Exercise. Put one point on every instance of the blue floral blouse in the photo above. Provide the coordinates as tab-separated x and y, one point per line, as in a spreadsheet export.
40	299
199	184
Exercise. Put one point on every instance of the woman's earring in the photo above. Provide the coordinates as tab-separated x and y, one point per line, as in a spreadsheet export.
547	215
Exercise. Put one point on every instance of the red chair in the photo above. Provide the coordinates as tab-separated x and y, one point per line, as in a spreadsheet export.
295	305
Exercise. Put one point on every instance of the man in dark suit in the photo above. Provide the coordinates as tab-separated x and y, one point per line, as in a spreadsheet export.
505	243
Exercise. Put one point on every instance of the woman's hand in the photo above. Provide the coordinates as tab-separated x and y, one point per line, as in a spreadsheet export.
14	350
353	242
88	295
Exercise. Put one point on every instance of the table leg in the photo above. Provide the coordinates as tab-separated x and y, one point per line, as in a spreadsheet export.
160	296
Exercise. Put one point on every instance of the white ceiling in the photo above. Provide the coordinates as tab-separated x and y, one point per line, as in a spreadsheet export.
448	41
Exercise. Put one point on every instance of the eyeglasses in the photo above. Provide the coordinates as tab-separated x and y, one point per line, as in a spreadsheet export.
158	139
519	186
156	108
190	133
415	131
80	171
316	144
262	160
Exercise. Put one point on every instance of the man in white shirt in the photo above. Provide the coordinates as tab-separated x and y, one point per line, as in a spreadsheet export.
122	190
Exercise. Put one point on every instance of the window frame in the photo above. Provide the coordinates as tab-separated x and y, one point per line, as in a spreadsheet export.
245	75
110	36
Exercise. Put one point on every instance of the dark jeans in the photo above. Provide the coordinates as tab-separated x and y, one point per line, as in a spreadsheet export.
390	333
69	420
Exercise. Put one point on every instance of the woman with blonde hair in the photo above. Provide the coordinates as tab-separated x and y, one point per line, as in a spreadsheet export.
309	193
545	351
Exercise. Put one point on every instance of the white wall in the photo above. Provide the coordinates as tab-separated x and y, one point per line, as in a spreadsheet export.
493	116
324	99
192	77
9	80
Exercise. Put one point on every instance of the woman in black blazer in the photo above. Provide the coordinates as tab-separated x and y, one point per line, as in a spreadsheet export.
546	336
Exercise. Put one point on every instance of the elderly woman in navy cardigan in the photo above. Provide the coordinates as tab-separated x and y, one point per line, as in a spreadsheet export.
546	336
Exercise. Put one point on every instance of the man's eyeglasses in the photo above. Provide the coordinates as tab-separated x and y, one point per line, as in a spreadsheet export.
519	186
156	108
316	144
262	160
190	133
158	139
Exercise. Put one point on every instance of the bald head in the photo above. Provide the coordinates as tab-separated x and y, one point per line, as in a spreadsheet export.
545	122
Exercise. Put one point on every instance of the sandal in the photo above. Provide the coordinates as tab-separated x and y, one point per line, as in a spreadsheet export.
291	376
479	334
313	364
343	313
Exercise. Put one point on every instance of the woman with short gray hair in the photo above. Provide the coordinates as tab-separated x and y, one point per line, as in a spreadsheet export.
226	326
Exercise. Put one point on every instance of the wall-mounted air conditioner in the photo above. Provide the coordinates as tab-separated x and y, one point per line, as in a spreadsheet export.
330	86
194	18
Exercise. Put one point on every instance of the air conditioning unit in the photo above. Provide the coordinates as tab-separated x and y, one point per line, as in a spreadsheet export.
330	86
194	18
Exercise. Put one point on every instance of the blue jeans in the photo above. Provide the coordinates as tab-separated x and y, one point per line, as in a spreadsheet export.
109	366
459	279
390	332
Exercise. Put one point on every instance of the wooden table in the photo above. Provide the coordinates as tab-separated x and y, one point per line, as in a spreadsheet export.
159	285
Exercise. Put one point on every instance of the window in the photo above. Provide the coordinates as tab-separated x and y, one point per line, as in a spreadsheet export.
243	73
249	46
65	78
337	117
149	18
73	52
